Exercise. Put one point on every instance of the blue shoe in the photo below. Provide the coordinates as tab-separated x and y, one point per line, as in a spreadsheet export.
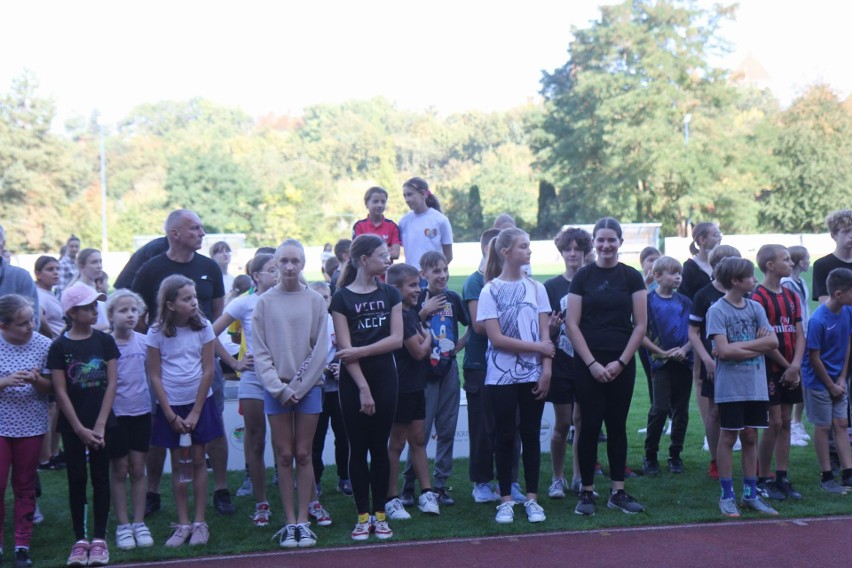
518	496
482	493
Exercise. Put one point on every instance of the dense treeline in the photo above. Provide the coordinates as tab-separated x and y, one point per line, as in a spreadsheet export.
609	138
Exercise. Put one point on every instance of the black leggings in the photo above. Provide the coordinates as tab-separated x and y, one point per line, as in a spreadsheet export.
75	460
369	434
507	402
331	412
603	403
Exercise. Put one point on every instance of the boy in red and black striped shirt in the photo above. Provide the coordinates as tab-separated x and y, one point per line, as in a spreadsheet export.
782	369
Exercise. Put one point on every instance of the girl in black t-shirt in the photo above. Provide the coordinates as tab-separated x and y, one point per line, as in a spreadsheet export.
367	318
83	364
606	320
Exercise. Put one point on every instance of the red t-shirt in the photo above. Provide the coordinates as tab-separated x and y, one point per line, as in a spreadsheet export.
387	229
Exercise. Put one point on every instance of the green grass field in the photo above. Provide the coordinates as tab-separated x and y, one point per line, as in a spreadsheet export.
670	499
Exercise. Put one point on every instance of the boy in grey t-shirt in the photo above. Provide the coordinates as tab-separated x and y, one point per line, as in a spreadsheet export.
741	336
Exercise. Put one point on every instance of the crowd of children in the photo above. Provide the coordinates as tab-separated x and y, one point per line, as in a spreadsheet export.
373	354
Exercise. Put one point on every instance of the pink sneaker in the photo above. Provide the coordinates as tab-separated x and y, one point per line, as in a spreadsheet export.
180	536
79	554
98	553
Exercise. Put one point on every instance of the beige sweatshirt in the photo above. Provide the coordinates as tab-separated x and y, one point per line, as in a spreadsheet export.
289	327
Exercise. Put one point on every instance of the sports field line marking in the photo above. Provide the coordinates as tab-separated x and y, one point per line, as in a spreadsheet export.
415	543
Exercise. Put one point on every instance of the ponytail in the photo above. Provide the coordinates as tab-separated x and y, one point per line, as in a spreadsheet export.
493	262
363	245
420	185
699	231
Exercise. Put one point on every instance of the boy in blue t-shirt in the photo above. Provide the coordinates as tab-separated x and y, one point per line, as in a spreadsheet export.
824	372
742	336
667	342
441	310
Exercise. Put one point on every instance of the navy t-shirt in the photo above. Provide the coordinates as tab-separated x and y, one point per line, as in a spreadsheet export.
85	364
445	330
668	324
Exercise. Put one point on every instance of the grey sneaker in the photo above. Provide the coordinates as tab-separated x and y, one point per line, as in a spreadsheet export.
831	486
758	505
558	488
729	507
246	488
586	504
622	501
770	490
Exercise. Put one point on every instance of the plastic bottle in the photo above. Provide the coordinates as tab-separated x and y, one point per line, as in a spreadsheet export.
185	459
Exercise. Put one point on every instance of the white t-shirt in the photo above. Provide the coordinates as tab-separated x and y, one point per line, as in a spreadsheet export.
23	410
132	397
241	309
516	305
424	232
180	361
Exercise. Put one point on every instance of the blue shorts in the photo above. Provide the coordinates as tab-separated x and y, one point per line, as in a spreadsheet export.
251	387
311	404
209	427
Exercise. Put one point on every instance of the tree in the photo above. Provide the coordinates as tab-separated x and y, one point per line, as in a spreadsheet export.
548	220
814	153
613	129
38	173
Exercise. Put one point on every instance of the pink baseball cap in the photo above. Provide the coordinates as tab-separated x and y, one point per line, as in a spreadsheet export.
80	294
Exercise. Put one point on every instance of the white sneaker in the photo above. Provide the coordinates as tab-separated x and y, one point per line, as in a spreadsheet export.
124	539
428	503
505	512
38	517
738	445
669	428
535	514
142	534
246	488
558	488
394	510
642	430
706	447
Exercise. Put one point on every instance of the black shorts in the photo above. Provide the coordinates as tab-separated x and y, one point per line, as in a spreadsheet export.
561	390
410	406
744	414
782	394
131	433
708	387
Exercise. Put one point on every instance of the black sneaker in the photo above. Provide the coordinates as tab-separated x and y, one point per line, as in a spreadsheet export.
770	490
650	466
222	502
586	504
444	497
675	465
152	503
22	558
407	498
625	503
784	485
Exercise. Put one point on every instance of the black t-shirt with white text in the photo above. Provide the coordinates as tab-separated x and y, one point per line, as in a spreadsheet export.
557	294
209	284
368	314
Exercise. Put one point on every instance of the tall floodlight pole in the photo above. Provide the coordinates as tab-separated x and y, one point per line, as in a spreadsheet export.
686	118
103	190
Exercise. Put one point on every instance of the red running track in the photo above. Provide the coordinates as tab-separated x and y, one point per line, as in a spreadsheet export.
821	542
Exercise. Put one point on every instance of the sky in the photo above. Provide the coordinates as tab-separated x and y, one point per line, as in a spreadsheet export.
279	57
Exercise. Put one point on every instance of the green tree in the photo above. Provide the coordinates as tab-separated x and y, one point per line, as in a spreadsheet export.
38	173
613	130
814	153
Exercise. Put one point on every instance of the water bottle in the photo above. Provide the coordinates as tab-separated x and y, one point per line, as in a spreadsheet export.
185	459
